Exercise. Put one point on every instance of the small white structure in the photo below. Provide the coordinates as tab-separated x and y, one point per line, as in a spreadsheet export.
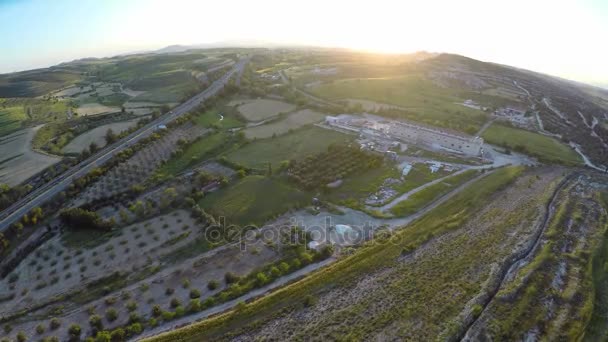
434	167
406	169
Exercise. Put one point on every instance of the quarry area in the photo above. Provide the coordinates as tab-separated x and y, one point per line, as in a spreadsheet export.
253	194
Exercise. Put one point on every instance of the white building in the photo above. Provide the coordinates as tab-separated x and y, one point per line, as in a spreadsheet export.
436	138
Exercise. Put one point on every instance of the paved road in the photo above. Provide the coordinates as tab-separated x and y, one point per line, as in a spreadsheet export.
39	196
231	304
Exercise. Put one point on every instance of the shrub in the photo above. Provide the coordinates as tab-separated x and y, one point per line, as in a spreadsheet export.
131	305
103	336
231	278
212	285
75	331
309	301
284	267
118	334
179	311
185	283
261	278
134	317
40	329
209	302
168	315
194	293
153	322
8	328
275	272
111	314
169	291
55	323
21	337
195	305
156	310
134	329
110	300
95	322
175	302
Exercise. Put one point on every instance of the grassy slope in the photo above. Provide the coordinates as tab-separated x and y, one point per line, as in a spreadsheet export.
298	144
445	217
422	198
546	148
253	200
427	102
597	329
34	83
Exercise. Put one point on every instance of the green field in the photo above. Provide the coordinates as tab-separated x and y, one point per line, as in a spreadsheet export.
10	119
211	118
194	153
344	272
422	198
423	100
295	145
545	148
254	200
14	112
360	185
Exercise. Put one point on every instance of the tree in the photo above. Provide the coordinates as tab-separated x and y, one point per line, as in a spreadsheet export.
111	314
118	335
103	336
81	218
55	323
110	136
93	147
261	278
95	322
168	197
75	331
212	285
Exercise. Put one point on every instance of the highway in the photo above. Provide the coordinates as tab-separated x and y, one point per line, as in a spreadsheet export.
42	194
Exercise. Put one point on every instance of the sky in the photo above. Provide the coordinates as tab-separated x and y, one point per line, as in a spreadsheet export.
565	38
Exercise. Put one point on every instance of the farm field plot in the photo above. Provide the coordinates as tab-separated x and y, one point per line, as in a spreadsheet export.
139	167
217	118
17	111
260	109
425	101
97	136
295	145
18	161
291	122
538	145
11	119
194	153
94	109
118	278
254	200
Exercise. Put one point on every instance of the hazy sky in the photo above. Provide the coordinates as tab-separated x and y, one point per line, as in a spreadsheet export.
564	38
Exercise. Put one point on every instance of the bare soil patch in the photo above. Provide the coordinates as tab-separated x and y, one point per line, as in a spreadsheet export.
18	162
